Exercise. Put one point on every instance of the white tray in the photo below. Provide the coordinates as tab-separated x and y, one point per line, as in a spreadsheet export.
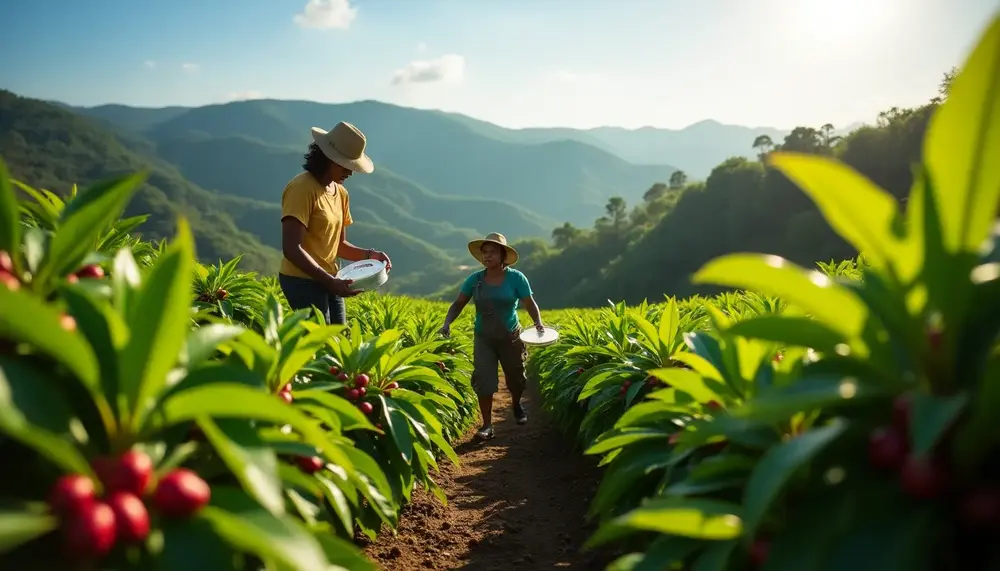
366	274
531	336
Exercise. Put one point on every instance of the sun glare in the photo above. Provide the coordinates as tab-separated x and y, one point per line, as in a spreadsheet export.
836	22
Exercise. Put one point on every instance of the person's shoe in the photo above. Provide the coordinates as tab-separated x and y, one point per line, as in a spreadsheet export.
485	433
520	415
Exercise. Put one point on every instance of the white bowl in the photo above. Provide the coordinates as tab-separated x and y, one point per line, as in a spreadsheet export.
366	275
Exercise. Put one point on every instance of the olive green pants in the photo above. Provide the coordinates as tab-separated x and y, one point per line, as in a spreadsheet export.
487	354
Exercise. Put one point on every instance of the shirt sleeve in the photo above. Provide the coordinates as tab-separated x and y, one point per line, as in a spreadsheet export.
469	285
348	219
297	202
521	286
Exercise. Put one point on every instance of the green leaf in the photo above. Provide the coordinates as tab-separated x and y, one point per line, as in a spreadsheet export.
203	342
18	528
685	517
666	551
26	318
822	391
688	382
397	425
225	400
248	527
159	325
623	437
776	468
715	557
343	553
350	417
855	207
59	451
791	331
251	461
962	145
192	545
10	218
827	301
931	417
83	221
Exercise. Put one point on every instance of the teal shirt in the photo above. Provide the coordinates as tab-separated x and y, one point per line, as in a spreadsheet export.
505	297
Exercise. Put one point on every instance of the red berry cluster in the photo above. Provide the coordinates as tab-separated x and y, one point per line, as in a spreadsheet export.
92	525
286	393
7	277
92	271
220	294
360	389
927	477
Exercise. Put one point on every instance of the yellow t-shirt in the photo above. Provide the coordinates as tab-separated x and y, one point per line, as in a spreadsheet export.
324	212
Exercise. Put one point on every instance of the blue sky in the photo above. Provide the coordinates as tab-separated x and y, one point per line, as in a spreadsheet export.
578	63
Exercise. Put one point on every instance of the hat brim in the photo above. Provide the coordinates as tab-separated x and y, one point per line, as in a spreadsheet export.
475	248
363	164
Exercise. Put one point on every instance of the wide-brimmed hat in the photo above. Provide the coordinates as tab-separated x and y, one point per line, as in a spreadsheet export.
344	145
476	248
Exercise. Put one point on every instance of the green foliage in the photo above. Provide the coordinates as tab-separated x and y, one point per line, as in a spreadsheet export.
850	425
202	369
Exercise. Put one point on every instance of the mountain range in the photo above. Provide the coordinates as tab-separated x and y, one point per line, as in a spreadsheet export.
440	178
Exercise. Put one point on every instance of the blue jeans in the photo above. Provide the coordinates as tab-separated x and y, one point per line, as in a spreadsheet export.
303	293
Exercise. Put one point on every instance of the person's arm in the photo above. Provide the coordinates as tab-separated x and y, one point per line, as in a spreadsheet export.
456	309
532	308
527	298
464	295
292	233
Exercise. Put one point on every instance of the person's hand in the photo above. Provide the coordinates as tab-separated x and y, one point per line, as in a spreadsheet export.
382	257
341	288
540	328
445	330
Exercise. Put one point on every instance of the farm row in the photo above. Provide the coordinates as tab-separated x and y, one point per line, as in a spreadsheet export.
824	420
150	422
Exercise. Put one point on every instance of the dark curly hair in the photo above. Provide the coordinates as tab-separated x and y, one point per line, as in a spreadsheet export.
316	163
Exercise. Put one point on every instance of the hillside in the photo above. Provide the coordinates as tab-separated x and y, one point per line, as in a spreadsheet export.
560	180
741	206
50	147
245	167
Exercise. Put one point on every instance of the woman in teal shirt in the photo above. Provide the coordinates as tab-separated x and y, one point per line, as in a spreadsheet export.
497	292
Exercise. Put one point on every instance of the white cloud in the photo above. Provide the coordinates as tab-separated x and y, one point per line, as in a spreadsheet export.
447	68
245	95
190	67
421	47
567	76
326	14
149	64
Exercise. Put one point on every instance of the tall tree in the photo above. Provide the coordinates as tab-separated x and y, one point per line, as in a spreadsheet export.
565	235
763	144
678	179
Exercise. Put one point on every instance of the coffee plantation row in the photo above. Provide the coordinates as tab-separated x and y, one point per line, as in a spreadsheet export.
148	423
156	413
827	420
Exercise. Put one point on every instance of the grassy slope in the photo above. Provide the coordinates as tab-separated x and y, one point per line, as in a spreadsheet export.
50	147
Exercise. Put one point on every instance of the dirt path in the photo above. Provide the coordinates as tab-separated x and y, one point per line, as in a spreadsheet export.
517	502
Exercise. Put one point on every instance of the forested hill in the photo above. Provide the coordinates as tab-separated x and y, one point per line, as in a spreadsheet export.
653	249
48	146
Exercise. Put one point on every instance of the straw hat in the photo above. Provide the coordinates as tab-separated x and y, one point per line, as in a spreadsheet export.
475	248
344	145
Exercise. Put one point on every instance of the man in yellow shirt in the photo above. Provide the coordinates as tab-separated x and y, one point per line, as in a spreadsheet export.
315	214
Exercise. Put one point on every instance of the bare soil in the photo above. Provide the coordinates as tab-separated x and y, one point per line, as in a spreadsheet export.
517	501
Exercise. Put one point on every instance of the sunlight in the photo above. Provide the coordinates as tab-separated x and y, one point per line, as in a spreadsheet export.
836	23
